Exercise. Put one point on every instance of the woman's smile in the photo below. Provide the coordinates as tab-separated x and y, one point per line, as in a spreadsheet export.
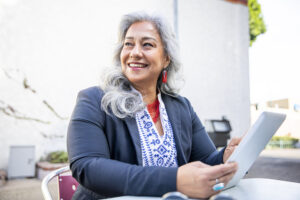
137	65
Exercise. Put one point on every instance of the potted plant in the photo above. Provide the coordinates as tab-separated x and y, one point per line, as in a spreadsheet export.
54	160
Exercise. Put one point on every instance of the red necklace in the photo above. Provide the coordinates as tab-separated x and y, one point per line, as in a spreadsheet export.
153	109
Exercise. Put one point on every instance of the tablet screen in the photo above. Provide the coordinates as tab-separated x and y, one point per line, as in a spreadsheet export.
253	143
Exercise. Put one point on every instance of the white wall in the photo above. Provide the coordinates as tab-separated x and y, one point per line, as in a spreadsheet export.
60	47
214	47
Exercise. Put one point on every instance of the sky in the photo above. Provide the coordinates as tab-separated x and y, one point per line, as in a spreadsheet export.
275	55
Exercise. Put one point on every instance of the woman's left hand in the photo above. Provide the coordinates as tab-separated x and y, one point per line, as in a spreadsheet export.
231	147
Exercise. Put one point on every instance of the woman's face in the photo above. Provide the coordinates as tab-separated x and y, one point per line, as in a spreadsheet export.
142	56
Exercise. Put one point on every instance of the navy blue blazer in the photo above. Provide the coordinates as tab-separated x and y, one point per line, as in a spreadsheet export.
105	151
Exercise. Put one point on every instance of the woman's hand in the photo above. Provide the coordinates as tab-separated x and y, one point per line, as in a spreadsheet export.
231	147
197	179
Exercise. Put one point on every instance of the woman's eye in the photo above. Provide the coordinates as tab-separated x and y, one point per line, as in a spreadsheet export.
128	44
148	45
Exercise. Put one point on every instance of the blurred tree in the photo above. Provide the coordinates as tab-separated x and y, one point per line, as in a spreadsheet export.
256	22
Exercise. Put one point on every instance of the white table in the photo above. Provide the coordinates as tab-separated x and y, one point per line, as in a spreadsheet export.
263	189
252	189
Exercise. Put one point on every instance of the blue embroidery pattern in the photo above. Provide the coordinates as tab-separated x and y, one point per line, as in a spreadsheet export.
156	150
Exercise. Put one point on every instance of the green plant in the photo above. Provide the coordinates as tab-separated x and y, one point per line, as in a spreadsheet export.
256	22
282	142
284	138
57	157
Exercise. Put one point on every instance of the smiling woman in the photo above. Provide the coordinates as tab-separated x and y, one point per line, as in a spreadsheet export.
143	57
128	103
135	135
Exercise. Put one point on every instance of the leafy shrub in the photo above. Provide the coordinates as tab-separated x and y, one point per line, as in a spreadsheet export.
284	138
284	142
256	22
57	157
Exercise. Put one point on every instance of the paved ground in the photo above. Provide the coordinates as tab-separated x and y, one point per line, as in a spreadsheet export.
273	164
281	153
280	164
26	189
276	168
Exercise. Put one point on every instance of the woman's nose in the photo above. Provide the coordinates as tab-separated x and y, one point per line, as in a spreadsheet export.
136	52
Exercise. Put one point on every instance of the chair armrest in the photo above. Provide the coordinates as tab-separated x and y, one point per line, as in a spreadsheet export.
48	178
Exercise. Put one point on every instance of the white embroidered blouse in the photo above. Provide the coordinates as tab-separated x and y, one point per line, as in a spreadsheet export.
156	150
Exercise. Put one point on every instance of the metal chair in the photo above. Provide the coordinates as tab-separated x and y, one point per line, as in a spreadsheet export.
66	183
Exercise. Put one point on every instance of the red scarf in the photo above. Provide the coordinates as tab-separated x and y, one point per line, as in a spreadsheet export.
153	109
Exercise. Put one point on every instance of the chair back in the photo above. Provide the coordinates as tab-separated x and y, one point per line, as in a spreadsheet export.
67	185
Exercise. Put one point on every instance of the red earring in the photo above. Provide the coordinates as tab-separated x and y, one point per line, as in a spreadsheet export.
164	76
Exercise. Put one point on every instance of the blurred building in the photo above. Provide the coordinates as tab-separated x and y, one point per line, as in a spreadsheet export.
288	106
50	50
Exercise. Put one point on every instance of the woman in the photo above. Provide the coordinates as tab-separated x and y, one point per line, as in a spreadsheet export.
135	135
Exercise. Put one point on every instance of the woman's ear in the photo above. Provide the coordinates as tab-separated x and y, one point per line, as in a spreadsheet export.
168	60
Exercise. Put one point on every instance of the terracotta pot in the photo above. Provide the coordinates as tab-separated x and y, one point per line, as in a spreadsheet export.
44	168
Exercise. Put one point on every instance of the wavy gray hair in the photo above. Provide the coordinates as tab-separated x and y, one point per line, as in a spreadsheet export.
120	98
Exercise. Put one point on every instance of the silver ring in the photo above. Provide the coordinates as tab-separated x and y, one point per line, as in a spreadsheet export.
218	186
217	181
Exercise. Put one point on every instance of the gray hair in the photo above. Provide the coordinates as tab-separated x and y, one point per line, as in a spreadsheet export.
120	97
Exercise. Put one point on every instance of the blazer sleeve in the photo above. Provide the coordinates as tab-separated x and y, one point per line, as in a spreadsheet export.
203	149
90	159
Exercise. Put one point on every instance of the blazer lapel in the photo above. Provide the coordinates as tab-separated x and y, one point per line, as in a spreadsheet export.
173	112
134	133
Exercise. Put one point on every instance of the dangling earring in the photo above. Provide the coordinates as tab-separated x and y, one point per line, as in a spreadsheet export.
164	76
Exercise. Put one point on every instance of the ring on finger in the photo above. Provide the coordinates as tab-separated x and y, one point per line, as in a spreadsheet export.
218	186
217	181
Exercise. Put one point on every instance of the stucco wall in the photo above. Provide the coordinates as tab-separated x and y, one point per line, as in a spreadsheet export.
214	43
60	47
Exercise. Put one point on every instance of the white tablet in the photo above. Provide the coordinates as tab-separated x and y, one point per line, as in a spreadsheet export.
253	143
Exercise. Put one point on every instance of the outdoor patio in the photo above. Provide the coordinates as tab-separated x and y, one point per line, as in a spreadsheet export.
281	164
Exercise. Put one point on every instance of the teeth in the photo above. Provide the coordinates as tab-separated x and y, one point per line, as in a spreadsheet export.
136	65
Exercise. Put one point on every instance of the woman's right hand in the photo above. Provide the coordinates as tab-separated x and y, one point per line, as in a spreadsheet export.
197	179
